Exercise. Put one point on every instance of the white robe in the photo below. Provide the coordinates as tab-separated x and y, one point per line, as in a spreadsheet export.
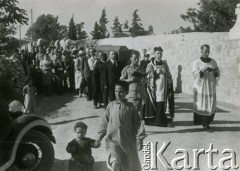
204	89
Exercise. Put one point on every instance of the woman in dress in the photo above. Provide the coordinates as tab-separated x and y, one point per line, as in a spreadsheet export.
206	75
29	92
78	73
46	65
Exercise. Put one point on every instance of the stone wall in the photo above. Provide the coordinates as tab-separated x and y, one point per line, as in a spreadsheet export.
180	50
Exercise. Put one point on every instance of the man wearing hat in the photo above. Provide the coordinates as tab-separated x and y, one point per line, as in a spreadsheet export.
160	91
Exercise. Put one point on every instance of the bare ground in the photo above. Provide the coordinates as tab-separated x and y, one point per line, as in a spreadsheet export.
63	111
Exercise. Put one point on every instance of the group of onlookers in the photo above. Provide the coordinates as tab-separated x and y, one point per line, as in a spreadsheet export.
93	74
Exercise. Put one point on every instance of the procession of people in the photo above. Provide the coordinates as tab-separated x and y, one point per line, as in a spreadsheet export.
138	94
93	74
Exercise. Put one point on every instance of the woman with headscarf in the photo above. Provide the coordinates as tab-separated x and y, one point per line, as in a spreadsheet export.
160	92
206	75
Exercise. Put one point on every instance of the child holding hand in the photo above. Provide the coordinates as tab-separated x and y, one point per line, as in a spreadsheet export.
124	132
80	149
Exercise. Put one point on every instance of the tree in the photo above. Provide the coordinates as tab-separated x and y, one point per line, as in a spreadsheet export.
102	25
46	27
125	25
10	14
136	28
81	34
72	33
63	31
117	27
212	16
96	32
150	29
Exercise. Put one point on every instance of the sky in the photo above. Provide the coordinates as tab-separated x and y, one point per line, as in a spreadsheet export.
163	15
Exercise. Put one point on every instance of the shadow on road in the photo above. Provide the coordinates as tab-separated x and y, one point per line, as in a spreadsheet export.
78	119
47	105
190	123
62	165
100	166
187	107
192	130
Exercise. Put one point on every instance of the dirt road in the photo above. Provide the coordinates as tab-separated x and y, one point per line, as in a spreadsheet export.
63	111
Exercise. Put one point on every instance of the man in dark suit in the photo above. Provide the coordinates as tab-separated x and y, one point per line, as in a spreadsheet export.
112	74
87	76
100	69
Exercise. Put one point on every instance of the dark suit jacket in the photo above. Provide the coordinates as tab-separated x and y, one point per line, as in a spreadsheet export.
85	67
99	72
112	73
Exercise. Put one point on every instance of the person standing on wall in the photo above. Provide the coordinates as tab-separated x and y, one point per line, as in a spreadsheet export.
160	91
112	74
206	74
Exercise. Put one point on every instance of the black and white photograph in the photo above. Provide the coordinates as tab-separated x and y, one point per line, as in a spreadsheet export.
119	85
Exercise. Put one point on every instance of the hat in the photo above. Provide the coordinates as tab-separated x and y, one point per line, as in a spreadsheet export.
81	52
159	48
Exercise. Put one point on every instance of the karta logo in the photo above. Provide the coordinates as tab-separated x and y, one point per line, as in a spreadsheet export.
153	154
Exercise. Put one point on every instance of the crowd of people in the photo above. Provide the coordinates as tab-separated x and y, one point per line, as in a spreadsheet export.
93	74
133	95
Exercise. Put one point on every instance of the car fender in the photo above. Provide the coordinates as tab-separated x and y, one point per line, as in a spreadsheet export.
20	126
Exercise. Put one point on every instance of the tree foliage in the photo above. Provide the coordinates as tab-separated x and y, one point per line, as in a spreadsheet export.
96	32
102	25
81	34
136	28
72	32
150	29
117	26
10	14
212	16
63	30
125	25
46	27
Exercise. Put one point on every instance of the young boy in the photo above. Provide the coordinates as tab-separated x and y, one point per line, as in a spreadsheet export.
123	129
80	149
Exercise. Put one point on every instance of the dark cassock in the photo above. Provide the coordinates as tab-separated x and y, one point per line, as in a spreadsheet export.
159	110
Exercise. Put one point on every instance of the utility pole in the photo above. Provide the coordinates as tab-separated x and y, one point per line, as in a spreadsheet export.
20	37
32	23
